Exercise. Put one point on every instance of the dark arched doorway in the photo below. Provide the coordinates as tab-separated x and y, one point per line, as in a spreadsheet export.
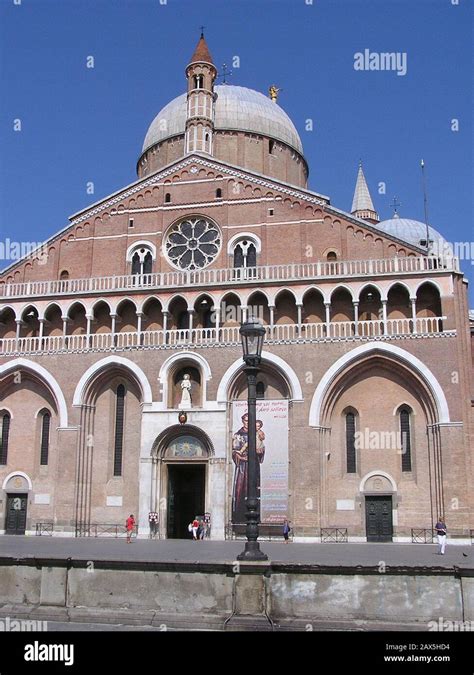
183	454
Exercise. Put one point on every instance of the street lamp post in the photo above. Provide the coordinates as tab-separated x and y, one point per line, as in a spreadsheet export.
252	334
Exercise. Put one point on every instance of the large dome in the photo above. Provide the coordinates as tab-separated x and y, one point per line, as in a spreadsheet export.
413	231
237	108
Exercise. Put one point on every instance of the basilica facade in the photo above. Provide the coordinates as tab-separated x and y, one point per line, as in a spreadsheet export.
121	374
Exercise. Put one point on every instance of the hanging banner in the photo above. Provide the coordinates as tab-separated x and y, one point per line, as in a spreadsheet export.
272	453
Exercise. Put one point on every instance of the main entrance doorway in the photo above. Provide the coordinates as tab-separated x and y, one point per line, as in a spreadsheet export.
186	490
378	518
16	513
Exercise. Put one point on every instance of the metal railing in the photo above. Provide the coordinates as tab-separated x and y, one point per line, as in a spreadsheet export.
103	530
223	336
44	528
422	536
267	531
209	277
334	535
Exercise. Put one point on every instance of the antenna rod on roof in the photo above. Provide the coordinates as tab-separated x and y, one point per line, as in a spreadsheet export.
425	202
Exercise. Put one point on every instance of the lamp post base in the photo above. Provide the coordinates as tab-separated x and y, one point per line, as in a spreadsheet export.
252	552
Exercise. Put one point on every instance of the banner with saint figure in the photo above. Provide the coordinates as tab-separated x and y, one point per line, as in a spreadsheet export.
272	455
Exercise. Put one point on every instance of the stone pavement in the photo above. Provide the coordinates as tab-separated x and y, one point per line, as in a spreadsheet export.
180	550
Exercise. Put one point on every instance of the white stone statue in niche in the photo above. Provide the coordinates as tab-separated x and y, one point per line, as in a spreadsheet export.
186	392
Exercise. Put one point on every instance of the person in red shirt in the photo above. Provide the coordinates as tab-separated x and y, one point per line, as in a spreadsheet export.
130	524
195	528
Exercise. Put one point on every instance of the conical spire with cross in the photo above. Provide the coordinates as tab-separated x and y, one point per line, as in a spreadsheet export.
202	53
362	205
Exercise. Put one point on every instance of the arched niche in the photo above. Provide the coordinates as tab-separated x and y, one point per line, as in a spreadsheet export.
176	376
270	385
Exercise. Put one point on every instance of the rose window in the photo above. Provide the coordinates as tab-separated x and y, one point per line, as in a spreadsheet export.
193	243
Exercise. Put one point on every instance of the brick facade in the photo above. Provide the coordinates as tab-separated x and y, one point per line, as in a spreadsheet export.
356	321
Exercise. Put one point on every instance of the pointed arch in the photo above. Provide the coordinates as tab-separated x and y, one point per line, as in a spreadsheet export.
143	307
342	287
401	284
4	308
76	304
316	289
285	289
177	297
45	378
122	301
371	284
407	360
284	369
98	303
50	307
134	371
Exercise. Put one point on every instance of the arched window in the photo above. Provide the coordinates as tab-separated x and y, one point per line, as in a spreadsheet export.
45	426
167	198
405	435
64	275
332	255
271	147
245	254
218	193
252	256
142	261
198	81
136	265
147	263
351	460
260	389
119	426
238	256
4	437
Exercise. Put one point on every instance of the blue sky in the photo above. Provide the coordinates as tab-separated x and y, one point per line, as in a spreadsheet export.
81	124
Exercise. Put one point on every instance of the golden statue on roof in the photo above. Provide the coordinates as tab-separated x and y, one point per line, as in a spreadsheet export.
274	91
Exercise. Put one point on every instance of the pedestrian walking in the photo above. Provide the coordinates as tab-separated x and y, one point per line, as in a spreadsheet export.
130	524
153	523
441	531
286	531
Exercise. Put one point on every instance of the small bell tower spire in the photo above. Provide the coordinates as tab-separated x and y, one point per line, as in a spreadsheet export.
201	74
362	205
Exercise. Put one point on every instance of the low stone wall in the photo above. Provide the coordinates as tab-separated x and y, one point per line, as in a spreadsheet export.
222	596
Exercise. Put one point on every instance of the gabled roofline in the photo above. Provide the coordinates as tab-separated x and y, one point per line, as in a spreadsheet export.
205	160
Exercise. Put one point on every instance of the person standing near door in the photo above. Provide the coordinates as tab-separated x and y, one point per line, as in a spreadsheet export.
195	528
441	531
153	523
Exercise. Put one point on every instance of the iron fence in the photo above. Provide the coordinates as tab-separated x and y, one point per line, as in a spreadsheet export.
267	531
44	528
422	536
334	535
114	530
